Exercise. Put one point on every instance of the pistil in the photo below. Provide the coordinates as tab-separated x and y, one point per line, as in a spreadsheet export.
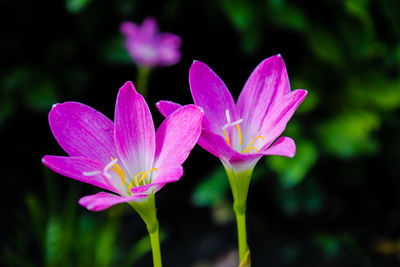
236	123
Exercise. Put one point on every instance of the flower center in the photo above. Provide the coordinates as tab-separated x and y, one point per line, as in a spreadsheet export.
236	123
138	180
142	180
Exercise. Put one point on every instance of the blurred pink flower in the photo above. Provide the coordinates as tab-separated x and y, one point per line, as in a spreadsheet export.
127	157
148	47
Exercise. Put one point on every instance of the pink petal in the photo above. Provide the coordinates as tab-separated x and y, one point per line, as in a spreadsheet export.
166	108
74	167
241	162
266	85
82	131
168	46
149	27
168	174
164	175
129	29
171	40
134	130
177	135
103	200
210	93
275	121
284	146
216	145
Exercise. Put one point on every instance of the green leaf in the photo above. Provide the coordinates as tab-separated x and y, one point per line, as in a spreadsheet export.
211	190
41	96
305	197
114	52
359	9
53	241
6	109
141	248
246	262
293	170
330	245
349	134
287	16
374	90
325	46
243	16
76	6
35	210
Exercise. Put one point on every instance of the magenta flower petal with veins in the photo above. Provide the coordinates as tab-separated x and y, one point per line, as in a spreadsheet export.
127	157
148	47
240	134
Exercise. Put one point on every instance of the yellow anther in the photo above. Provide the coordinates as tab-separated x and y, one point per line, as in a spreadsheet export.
143	174
152	169
130	186
252	147
141	178
118	170
248	149
227	137
240	133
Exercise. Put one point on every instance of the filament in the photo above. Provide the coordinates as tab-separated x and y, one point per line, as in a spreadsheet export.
240	133
130	186
250	145
229	124
118	170
227	137
143	174
91	173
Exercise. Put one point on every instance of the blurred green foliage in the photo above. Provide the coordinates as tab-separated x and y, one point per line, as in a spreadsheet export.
75	6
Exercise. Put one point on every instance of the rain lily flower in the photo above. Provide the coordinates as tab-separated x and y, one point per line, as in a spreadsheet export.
148	47
127	158
240	134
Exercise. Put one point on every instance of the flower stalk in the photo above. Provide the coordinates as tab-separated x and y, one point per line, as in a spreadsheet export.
155	247
142	80
147	210
242	236
239	182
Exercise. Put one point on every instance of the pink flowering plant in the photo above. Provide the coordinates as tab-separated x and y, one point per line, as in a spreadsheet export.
127	158
240	134
149	48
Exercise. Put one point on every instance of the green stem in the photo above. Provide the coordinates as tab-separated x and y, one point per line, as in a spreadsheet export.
242	235
240	181
155	247
147	210
142	80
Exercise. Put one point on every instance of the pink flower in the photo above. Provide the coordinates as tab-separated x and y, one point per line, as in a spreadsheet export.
127	157
240	134
148	47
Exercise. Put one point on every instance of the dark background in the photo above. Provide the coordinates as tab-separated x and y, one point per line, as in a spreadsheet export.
335	204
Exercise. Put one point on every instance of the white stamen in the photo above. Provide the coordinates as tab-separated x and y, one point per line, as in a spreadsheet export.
228	116
109	165
91	173
236	122
229	123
